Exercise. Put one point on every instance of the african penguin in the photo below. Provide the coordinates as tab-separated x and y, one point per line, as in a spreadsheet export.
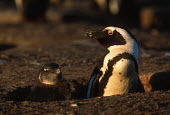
50	85
117	72
32	10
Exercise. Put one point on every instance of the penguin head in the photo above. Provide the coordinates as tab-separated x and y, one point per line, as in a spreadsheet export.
50	74
111	36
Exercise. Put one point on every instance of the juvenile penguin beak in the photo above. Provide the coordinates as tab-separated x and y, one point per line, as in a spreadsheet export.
95	34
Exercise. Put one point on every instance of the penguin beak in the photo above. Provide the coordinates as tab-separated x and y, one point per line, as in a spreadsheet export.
95	34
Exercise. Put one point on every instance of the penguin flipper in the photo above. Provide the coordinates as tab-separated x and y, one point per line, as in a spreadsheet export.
140	86
93	84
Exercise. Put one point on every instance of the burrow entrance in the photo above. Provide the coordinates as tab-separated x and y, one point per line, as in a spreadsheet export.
6	46
24	94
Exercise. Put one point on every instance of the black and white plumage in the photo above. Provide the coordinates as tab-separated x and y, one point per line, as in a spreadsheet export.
117	72
50	85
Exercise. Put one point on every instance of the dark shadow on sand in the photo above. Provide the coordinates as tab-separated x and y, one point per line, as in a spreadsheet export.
6	46
24	94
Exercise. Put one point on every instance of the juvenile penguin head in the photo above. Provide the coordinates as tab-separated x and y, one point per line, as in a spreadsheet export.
115	40
50	74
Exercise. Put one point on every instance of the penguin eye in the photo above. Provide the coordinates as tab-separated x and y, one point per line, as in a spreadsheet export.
109	31
46	70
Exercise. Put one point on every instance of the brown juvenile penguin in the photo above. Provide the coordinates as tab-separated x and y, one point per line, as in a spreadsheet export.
50	85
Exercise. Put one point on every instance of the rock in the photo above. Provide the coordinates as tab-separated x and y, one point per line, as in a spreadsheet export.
156	81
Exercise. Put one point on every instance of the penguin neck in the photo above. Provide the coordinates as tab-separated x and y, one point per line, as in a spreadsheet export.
130	47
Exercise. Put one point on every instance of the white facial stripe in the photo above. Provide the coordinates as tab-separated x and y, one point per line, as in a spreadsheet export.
111	28
120	30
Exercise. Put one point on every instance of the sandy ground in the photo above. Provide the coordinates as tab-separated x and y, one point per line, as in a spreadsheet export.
24	48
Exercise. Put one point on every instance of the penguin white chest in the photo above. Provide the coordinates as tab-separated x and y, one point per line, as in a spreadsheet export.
123	78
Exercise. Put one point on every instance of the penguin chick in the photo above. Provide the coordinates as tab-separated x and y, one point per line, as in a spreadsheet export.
117	72
50	85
